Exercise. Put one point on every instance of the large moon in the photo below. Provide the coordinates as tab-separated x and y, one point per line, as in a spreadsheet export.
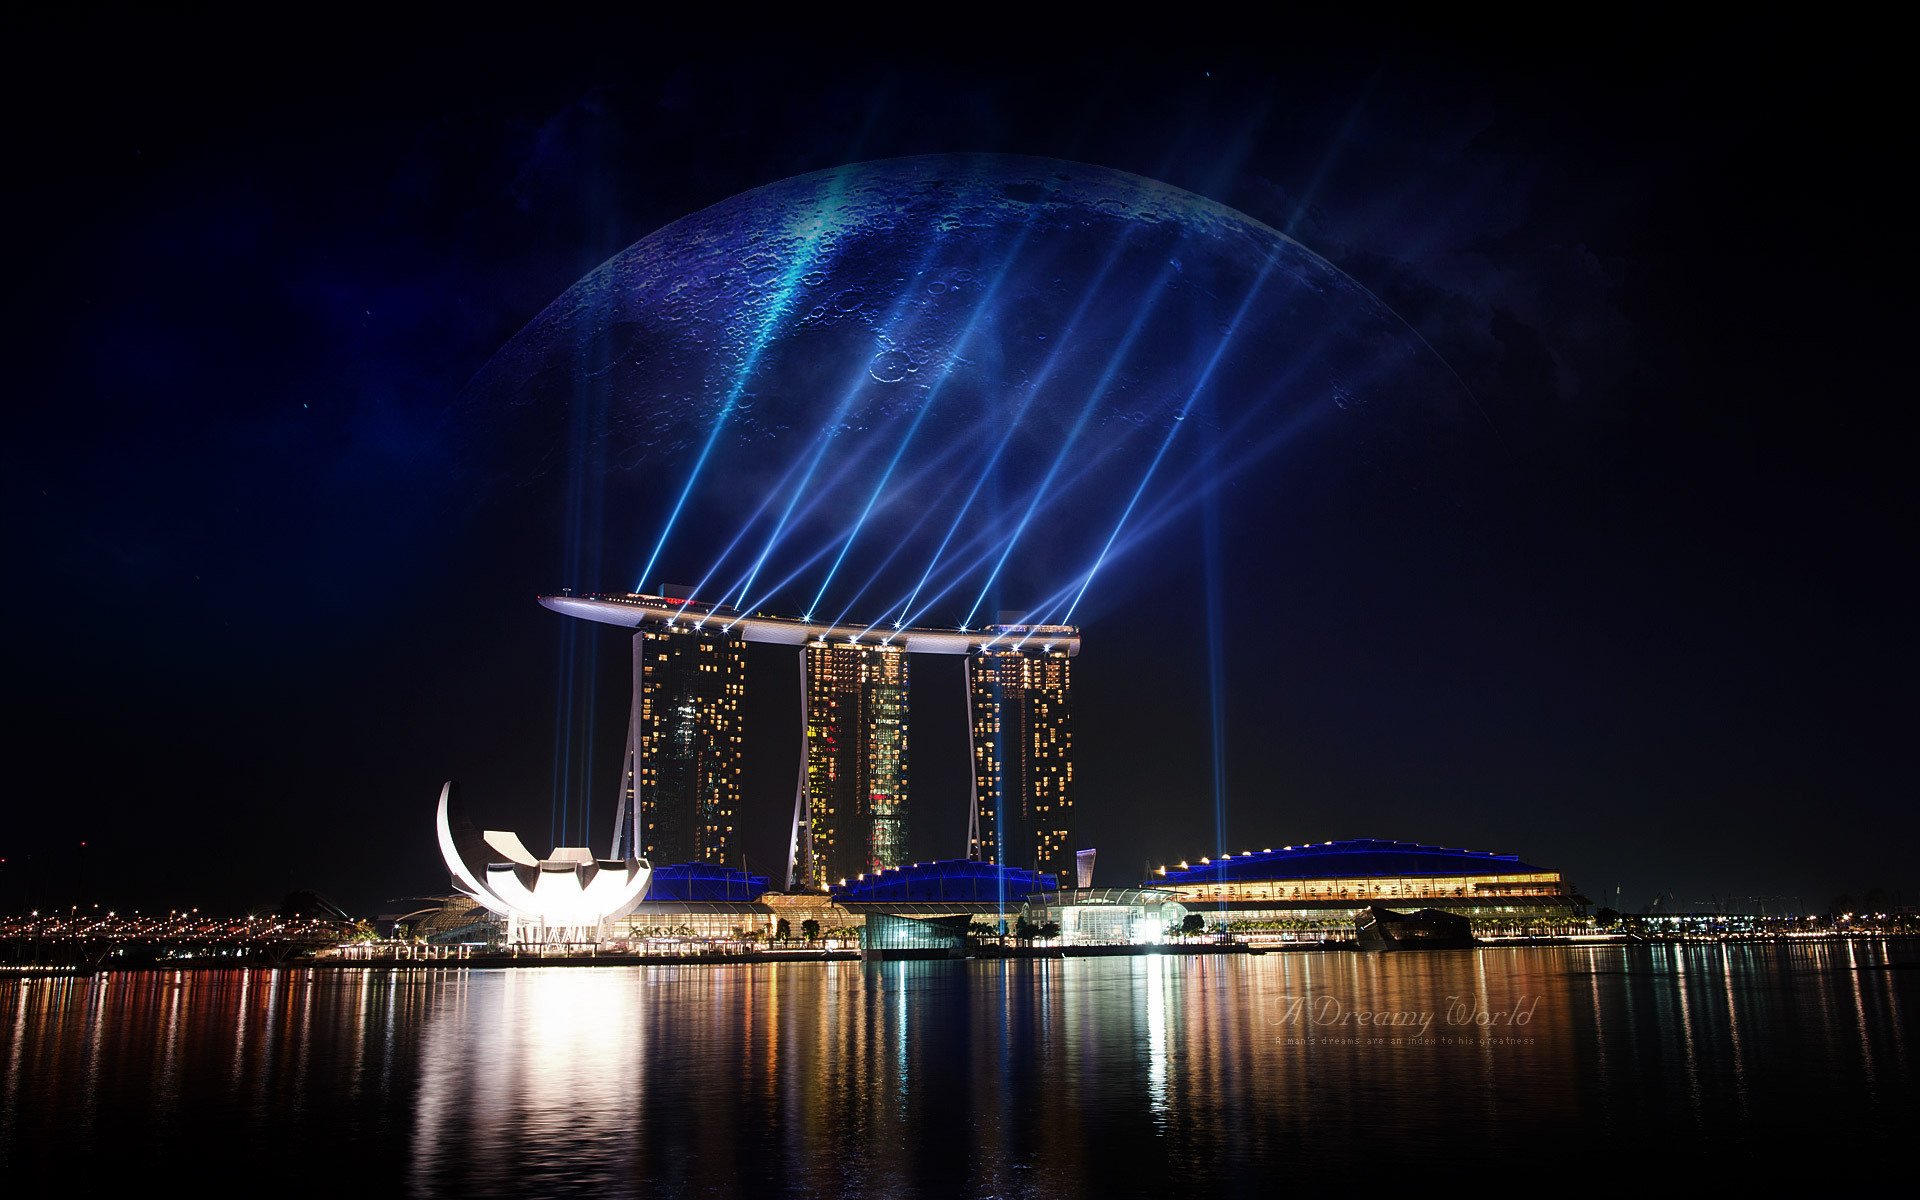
926	388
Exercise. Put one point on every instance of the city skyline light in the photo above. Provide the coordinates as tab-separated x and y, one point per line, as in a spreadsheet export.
1438	497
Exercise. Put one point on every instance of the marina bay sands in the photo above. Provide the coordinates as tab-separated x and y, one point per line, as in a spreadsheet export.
679	792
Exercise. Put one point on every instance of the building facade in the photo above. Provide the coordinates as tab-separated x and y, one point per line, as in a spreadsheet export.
1019	692
680	783
1325	885
1109	916
856	768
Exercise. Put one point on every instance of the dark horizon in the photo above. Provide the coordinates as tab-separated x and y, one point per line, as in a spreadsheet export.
267	595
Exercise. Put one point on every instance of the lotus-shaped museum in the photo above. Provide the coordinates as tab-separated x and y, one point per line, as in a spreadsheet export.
569	895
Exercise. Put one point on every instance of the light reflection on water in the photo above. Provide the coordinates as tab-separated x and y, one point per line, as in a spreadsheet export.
1045	1078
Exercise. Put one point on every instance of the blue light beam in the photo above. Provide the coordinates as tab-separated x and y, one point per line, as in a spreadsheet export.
1033	390
959	348
770	321
994	539
936	464
1094	396
1179	419
855	384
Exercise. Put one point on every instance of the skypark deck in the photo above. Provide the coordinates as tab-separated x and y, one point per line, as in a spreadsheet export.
632	610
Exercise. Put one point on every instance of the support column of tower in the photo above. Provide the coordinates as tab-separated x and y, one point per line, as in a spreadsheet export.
800	863
626	813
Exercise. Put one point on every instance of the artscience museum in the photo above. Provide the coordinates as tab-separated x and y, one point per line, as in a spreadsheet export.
568	897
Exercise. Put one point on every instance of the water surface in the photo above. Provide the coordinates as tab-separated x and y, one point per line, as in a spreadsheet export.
1042	1078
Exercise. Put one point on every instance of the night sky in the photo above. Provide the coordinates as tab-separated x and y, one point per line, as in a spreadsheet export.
259	608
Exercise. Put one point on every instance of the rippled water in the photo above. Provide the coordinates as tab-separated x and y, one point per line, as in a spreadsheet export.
1046	1078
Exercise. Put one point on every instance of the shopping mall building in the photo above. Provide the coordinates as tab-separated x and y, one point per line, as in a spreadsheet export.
1323	887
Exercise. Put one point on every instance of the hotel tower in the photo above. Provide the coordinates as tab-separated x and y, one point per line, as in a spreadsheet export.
1019	691
680	783
856	769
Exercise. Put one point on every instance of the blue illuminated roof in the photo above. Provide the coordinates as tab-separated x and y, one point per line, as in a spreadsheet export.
1358	858
955	880
689	882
